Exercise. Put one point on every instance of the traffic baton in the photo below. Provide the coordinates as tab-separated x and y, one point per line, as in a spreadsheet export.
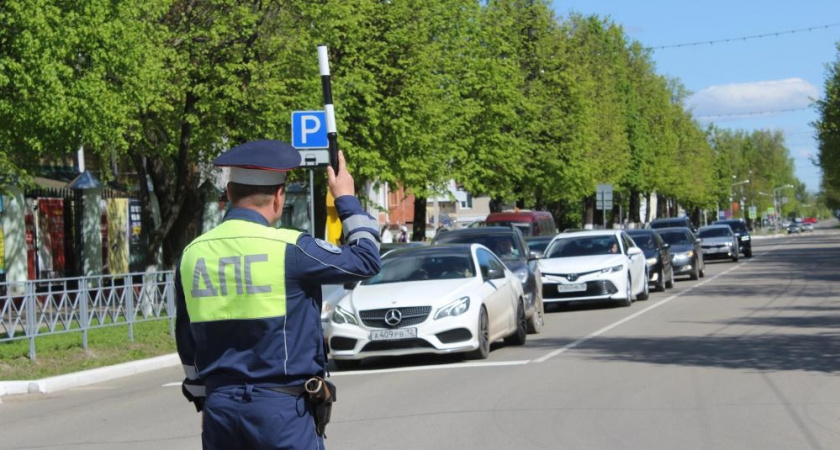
333	232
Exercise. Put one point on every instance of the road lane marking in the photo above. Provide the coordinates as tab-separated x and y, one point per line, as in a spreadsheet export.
609	327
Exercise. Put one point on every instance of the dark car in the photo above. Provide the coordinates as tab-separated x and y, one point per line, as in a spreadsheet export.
673	222
537	244
686	253
509	245
739	227
658	256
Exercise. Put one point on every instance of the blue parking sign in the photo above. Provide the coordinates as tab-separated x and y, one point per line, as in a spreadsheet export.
309	129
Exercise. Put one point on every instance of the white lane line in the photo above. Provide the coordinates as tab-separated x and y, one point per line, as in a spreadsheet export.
433	367
574	344
173	384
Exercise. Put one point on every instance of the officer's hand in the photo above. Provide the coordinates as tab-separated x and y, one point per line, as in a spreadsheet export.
188	388
343	183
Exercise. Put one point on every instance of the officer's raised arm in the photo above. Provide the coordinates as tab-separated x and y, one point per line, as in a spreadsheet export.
322	262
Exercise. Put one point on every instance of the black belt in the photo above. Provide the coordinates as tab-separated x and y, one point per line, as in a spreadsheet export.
294	391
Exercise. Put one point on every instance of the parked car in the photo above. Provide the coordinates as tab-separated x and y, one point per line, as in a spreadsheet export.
594	266
657	257
530	223
509	245
739	227
811	220
537	244
807	226
673	222
718	242
686	252
436	299
794	228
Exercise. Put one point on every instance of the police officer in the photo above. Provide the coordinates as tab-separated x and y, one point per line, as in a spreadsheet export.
248	295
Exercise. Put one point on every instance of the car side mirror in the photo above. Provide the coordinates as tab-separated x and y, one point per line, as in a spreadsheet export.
633	251
495	274
350	285
737	235
698	240
533	256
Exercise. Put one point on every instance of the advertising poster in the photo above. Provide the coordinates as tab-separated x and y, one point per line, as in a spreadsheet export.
118	235
51	234
138	246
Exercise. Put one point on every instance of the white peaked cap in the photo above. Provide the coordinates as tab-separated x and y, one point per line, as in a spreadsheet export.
257	177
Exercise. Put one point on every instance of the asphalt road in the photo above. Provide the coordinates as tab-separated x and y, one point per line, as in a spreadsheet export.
745	358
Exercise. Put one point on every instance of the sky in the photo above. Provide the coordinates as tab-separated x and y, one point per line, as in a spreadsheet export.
766	83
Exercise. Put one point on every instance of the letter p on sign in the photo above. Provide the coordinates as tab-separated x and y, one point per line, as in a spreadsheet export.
309	129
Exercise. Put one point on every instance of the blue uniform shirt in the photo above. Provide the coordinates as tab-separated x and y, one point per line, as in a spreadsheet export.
283	350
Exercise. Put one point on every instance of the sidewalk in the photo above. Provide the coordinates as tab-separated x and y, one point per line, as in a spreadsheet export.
87	377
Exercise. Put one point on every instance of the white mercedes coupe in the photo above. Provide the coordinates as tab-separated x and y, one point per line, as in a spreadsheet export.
594	266
442	299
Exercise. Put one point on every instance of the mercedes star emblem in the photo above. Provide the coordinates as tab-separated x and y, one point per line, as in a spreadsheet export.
393	317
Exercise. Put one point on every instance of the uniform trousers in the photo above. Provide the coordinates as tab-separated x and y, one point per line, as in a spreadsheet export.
254	418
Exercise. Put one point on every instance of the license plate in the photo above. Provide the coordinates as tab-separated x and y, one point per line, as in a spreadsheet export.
575	287
390	335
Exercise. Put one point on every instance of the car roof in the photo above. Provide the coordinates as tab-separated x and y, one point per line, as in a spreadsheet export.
479	231
673	229
426	250
710	227
518	215
589	233
643	231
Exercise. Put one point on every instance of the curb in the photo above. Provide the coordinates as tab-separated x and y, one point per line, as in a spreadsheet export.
87	377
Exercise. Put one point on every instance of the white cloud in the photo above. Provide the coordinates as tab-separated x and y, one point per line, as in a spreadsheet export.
759	96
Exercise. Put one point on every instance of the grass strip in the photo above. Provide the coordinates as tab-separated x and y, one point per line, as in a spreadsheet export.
63	353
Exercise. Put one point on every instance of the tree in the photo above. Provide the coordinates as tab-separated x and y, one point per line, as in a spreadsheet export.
828	134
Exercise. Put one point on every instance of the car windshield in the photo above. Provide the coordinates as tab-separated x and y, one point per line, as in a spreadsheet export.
714	232
644	241
675	237
582	246
538	246
667	223
408	266
502	245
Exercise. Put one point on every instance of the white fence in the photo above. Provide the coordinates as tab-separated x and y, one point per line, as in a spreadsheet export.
37	308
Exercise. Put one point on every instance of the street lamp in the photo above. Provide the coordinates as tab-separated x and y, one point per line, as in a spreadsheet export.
776	203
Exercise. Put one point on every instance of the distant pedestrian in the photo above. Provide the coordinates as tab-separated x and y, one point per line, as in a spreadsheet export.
385	235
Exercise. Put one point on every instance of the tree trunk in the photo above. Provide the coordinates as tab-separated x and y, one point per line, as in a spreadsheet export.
633	208
418	232
496	204
589	212
662	206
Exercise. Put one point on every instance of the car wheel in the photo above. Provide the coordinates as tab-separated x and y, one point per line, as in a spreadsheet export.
695	274
483	350
670	283
628	300
735	257
660	280
535	324
645	294
346	364
748	253
521	333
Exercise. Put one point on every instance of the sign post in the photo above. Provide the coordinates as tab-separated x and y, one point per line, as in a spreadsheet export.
309	137
604	200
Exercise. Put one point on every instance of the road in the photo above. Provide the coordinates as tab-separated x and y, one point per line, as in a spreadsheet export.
745	358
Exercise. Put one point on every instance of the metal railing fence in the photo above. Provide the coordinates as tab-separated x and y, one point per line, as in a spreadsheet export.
38	308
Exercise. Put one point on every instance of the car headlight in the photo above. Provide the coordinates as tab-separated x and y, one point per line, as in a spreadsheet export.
745	238
729	244
683	256
617	268
342	316
522	275
453	309
651	261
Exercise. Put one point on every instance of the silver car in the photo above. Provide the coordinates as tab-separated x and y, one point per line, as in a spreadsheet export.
718	241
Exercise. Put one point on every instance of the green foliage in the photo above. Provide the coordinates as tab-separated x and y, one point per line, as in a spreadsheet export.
828	134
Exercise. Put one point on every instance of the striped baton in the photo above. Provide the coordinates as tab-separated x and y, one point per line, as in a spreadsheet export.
326	85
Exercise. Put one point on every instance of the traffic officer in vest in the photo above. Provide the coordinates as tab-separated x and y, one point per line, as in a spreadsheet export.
248	296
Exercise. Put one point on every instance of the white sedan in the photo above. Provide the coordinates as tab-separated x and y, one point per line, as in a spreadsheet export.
594	266
441	299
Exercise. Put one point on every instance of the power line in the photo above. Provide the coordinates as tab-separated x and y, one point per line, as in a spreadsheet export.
750	114
745	38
